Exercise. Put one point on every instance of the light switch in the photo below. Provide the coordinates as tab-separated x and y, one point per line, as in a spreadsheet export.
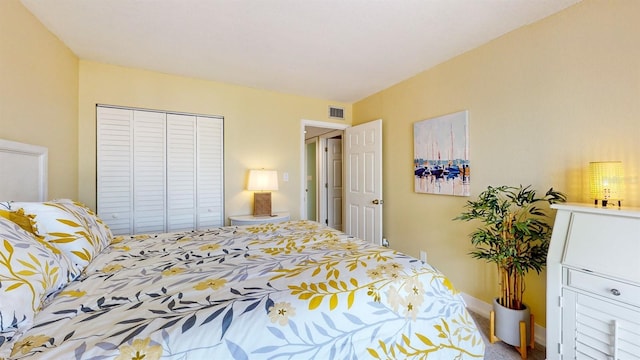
285	176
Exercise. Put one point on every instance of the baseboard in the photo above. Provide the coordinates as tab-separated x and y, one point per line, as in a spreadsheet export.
484	309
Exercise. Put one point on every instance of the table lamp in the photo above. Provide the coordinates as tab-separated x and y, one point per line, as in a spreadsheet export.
605	180
262	182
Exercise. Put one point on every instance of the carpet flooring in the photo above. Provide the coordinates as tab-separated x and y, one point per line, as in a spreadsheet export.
500	350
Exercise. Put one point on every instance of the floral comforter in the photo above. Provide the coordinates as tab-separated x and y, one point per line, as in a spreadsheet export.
294	290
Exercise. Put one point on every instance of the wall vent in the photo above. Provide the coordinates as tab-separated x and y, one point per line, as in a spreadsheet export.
336	112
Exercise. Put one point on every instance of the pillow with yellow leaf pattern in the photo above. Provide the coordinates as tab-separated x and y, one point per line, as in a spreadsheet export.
89	219
70	227
29	272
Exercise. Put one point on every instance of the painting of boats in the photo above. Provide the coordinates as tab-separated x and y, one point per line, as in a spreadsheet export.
441	155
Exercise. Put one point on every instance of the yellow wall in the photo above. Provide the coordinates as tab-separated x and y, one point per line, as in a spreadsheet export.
543	101
39	94
262	128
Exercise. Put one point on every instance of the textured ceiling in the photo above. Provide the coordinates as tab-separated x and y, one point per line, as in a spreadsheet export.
340	50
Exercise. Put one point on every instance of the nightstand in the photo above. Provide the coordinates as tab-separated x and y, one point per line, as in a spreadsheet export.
254	220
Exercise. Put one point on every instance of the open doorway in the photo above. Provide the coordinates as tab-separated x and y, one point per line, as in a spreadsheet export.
322	173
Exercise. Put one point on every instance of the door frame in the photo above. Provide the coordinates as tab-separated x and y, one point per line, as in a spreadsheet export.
323	174
303	178
315	141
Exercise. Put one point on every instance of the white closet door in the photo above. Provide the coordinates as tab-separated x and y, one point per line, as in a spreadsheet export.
210	173
149	157
159	172
181	172
115	168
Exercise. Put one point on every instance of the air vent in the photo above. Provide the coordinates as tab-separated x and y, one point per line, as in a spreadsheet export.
336	112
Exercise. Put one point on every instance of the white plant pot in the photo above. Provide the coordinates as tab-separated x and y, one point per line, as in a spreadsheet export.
508	323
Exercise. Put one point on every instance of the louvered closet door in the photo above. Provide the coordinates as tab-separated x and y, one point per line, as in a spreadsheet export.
159	172
181	172
149	159
210	186
115	168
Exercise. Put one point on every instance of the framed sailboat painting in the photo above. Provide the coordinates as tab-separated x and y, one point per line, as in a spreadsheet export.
441	155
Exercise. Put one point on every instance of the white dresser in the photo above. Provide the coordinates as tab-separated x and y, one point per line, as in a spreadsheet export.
593	283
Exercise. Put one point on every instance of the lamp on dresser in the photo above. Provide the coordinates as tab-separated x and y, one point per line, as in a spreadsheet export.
262	182
605	181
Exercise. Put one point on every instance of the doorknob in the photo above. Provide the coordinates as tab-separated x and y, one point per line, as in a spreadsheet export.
377	202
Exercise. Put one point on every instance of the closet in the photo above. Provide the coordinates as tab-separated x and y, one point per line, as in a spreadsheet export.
158	171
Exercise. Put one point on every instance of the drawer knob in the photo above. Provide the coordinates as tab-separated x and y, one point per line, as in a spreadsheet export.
615	292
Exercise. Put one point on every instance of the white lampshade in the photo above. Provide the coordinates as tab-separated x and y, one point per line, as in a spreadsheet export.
605	181
263	180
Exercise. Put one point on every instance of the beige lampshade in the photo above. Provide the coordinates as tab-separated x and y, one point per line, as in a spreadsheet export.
605	180
263	180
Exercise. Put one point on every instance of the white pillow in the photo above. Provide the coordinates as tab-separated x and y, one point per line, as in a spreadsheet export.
29	272
70	227
90	220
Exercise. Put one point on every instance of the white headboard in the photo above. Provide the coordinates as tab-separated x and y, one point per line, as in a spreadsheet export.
23	172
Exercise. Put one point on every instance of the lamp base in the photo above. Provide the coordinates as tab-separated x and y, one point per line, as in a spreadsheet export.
605	202
262	204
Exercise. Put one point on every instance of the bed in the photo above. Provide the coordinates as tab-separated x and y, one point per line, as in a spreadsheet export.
292	290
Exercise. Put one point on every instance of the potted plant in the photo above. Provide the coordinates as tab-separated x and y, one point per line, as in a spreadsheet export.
515	237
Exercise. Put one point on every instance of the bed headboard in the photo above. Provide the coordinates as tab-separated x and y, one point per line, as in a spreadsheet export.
23	172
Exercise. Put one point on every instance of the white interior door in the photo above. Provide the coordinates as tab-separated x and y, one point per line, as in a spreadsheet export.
363	181
334	183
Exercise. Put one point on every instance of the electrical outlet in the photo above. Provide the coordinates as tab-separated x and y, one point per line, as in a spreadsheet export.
423	256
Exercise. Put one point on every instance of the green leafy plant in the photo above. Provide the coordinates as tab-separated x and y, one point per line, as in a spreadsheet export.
515	235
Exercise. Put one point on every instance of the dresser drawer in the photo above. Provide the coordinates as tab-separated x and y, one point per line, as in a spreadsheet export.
611	289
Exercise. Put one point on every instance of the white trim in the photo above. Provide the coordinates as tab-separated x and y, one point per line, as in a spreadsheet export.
41	155
303	179
484	309
476	305
316	144
323	124
158	110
